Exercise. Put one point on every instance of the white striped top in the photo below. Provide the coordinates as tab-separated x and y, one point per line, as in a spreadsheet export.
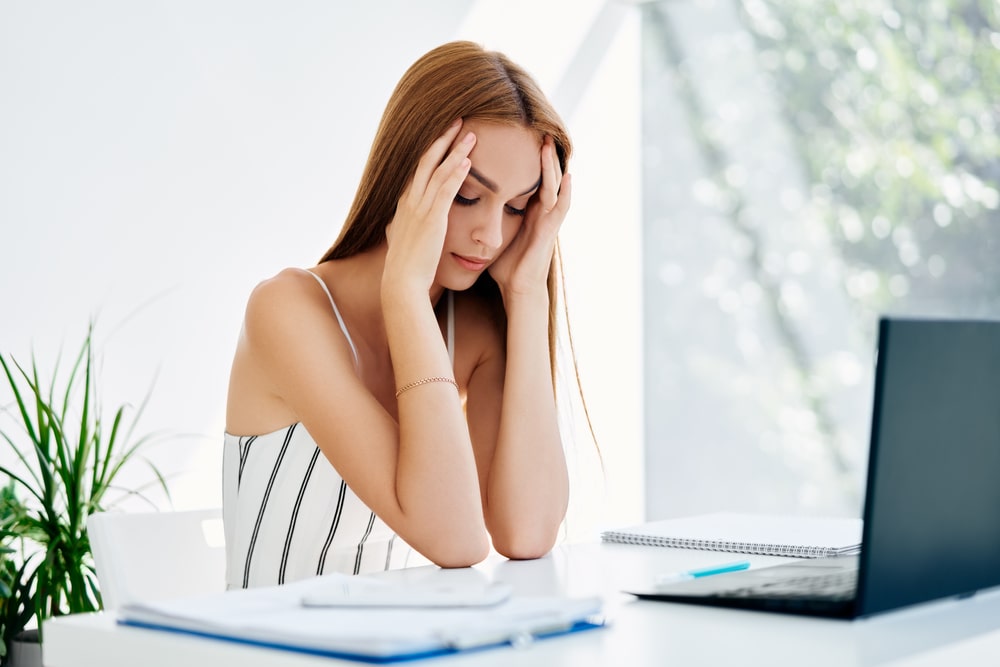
289	515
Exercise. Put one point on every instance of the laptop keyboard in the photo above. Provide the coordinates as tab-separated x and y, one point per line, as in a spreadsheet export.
828	586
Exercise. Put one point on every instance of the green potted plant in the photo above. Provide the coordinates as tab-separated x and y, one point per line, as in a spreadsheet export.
16	579
61	462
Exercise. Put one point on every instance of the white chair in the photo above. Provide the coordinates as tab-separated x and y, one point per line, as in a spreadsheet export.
157	555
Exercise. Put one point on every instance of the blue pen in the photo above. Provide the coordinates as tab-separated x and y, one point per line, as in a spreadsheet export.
702	572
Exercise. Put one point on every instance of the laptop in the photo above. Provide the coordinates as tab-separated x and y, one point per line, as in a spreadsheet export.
932	501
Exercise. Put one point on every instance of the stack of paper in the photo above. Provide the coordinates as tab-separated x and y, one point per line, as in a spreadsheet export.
277	617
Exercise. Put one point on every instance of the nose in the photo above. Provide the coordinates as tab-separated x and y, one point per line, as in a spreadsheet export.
488	229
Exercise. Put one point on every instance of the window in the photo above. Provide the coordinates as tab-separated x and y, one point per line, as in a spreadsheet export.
807	166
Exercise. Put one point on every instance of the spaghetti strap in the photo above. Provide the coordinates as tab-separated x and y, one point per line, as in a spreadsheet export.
451	327
336	311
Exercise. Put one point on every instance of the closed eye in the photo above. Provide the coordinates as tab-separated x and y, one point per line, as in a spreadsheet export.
511	210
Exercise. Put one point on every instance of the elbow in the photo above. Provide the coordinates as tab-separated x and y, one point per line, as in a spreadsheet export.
516	538
465	553
523	546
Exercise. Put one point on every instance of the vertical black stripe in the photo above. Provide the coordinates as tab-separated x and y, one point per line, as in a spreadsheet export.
333	527
263	504
388	551
295	516
225	470
361	544
244	449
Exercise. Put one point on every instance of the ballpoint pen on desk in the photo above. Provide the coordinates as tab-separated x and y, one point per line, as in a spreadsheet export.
672	577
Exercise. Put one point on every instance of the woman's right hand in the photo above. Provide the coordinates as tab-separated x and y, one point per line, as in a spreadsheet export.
417	231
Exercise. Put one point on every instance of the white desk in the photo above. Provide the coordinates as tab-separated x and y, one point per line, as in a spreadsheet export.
639	633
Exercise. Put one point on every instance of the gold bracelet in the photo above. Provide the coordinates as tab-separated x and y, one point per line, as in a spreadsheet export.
417	383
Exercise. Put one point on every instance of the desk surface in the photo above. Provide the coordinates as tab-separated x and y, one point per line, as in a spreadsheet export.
639	632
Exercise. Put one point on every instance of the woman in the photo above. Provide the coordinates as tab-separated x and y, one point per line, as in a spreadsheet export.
404	385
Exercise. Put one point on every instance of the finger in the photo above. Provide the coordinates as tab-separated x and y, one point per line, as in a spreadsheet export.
565	194
433	155
550	176
445	193
555	162
454	161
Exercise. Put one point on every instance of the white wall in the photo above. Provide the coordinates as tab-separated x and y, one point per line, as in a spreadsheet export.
158	159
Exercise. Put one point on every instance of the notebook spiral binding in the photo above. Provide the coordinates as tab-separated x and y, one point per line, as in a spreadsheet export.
755	548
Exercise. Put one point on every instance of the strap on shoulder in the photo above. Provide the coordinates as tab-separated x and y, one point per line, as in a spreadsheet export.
340	320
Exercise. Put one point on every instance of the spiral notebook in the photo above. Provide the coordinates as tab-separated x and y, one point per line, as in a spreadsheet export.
760	534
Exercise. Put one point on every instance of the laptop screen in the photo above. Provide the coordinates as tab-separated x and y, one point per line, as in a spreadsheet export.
932	507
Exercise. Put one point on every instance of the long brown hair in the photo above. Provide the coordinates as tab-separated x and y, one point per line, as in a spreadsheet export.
455	80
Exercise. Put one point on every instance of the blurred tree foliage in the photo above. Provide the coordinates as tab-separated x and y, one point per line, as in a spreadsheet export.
894	107
887	191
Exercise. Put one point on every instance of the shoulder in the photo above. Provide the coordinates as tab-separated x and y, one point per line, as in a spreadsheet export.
289	289
288	283
283	303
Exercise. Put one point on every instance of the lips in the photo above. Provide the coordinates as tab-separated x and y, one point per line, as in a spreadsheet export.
471	263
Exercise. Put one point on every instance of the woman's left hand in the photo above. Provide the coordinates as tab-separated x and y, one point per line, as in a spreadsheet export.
524	265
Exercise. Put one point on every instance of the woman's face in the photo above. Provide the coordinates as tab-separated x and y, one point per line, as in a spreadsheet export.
489	208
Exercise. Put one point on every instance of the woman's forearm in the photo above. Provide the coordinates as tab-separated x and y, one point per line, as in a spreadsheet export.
436	479
528	483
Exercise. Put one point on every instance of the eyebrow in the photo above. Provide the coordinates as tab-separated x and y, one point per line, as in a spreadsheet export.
494	188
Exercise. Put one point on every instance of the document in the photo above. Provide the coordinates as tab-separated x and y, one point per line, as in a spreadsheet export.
285	617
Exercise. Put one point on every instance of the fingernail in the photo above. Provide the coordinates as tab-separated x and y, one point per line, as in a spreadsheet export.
455	123
469	138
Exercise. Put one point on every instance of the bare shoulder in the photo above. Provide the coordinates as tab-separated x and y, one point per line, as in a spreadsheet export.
289	347
288	289
256	403
289	296
290	313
